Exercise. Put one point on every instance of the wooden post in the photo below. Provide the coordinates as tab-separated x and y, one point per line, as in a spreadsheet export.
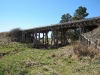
64	38
32	36
23	37
39	36
51	38
82	29
26	37
43	38
46	38
36	37
57	38
61	37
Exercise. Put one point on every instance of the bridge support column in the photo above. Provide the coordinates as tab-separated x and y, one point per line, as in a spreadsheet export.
23	37
63	37
51	38
35	39
32	37
46	38
28	37
39	36
54	38
57	38
43	38
83	30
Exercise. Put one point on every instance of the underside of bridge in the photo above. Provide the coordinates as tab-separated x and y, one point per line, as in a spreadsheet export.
58	33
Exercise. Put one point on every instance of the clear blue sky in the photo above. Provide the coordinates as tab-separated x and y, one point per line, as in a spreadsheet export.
26	14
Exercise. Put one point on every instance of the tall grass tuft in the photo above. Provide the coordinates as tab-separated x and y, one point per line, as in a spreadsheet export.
82	50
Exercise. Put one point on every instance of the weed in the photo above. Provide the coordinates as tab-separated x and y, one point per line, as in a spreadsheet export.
83	50
53	55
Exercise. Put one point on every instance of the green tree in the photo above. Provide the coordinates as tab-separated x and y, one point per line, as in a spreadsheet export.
65	18
80	13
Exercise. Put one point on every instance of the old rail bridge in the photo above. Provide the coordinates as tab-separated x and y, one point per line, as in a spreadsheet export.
33	35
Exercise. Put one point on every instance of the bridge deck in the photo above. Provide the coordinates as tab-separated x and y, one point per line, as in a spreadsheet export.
72	24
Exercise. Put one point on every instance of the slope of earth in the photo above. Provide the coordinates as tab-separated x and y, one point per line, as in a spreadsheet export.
93	35
4	38
18	59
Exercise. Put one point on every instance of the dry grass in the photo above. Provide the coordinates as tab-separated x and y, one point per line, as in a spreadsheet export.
13	35
4	38
27	61
82	50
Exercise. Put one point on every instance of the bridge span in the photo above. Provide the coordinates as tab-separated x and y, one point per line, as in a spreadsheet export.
59	32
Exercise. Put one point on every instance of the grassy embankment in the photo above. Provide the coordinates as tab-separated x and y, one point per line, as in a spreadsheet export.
18	59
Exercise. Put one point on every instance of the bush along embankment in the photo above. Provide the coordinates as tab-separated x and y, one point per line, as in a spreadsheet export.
83	50
13	35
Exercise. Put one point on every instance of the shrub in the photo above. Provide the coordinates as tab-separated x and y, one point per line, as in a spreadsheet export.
84	50
4	38
15	34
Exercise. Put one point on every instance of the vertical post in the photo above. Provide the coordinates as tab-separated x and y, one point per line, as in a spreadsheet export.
80	30
64	33
61	38
43	37
51	37
39	36
23	37
32	37
46	39
83	29
36	38
26	37
57	38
